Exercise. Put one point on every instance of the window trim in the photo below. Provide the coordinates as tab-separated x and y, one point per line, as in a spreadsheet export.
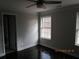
46	27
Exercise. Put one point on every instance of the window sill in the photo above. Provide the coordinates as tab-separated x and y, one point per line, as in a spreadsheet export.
44	39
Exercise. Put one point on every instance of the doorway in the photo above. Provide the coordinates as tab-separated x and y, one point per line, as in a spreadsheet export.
9	23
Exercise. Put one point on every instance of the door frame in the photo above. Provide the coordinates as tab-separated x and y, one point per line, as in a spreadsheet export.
7	13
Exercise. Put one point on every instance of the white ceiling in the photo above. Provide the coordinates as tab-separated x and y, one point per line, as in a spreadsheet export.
19	5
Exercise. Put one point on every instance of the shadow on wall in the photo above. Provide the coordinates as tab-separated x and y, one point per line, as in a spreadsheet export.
27	31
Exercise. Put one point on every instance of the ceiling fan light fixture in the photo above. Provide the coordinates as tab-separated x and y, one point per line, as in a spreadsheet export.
39	5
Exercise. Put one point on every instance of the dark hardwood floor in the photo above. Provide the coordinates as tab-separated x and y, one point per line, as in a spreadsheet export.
38	52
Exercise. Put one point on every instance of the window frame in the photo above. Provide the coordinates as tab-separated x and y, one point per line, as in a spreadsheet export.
46	27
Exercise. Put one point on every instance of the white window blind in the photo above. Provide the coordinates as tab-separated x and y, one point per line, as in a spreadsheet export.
77	38
45	28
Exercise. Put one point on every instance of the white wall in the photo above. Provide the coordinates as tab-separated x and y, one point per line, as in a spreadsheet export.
27	31
63	29
77	20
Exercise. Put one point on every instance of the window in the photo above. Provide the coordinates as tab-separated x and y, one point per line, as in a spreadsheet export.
77	30
45	28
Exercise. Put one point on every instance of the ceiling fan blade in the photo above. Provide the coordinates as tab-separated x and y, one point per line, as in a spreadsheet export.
52	2
32	0
30	5
42	6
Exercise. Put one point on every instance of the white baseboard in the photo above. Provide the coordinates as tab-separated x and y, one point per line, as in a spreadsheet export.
47	46
3	54
20	49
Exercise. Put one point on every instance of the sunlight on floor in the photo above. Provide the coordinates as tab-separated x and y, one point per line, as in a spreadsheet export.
45	55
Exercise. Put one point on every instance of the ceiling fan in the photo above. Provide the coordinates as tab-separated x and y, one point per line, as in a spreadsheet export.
41	3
